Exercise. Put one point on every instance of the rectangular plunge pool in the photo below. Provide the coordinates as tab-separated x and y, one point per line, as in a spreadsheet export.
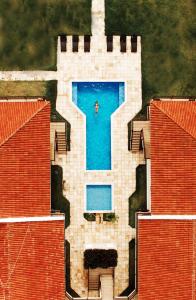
98	198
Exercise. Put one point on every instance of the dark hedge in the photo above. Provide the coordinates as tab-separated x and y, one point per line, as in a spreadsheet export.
100	258
58	201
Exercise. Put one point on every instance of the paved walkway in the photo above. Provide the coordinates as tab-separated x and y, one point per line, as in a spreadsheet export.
28	75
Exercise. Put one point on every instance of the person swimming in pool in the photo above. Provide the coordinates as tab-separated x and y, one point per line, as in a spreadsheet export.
96	106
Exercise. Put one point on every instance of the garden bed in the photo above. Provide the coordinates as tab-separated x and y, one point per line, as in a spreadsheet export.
132	270
58	201
137	201
100	258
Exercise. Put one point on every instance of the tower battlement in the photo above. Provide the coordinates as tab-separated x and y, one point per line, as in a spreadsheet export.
88	43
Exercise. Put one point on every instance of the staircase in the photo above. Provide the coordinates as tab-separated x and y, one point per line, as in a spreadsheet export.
94	281
135	141
61	145
107	287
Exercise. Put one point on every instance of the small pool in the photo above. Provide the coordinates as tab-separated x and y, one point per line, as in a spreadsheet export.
98	198
109	95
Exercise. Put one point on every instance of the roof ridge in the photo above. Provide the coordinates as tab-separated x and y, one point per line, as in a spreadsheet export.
23	124
170	117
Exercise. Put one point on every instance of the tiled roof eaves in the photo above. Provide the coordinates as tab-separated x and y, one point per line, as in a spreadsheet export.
27	121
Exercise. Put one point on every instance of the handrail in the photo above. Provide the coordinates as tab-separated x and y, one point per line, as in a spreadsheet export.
129	297
68	296
132	295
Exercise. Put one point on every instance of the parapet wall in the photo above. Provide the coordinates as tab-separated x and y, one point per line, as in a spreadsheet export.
87	43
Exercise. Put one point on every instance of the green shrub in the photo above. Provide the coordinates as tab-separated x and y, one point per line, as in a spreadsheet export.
110	217
90	217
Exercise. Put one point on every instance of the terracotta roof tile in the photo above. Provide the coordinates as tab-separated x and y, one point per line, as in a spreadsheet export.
166	259
24	159
173	157
32	261
14	115
183	113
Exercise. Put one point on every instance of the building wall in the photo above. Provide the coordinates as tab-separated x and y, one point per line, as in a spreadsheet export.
32	261
173	157
25	169
167	259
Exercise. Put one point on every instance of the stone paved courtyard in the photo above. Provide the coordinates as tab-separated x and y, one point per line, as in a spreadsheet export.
99	65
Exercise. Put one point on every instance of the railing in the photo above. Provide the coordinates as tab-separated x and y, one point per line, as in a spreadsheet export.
130	131
68	135
133	294
68	296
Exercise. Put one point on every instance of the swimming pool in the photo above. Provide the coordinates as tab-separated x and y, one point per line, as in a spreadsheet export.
98	198
109	95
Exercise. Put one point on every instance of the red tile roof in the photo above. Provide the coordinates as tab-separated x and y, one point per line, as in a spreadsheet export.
166	259
167	248
14	115
32	261
173	157
25	159
183	113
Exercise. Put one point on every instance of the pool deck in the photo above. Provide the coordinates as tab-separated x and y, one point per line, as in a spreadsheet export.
99	65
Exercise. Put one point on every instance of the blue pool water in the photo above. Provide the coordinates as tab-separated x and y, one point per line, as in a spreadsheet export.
110	95
99	198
